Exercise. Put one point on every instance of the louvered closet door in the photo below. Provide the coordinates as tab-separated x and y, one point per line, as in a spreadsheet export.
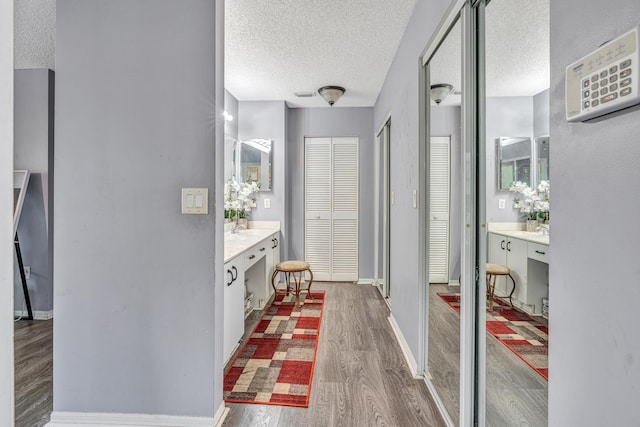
317	242
439	210
331	208
345	209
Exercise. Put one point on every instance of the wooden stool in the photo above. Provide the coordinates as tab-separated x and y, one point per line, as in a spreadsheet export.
290	268
493	271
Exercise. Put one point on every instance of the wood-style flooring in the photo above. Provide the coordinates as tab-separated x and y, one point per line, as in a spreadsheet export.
516	395
33	348
360	376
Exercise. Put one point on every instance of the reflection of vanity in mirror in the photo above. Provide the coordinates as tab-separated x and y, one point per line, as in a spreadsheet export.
249	160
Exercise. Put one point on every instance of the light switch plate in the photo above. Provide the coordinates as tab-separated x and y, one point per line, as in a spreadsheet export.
267	203
195	201
393	198
415	199
502	203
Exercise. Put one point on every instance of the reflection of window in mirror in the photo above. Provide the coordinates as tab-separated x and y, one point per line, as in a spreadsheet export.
514	161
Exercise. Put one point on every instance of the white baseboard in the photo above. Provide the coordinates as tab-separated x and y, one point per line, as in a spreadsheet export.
404	346
221	414
83	419
365	281
37	315
439	403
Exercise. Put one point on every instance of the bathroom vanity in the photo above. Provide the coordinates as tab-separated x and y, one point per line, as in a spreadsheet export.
250	257
526	254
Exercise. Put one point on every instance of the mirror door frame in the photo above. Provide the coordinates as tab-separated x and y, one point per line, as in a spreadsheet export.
384	179
471	377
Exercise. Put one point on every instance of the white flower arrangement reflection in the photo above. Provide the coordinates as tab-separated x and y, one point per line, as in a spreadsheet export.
239	198
533	204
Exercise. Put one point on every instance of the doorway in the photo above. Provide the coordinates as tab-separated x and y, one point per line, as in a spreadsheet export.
382	212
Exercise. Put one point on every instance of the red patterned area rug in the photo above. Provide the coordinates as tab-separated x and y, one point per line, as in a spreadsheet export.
519	332
275	366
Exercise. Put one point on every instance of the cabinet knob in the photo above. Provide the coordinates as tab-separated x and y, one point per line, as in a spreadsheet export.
262	249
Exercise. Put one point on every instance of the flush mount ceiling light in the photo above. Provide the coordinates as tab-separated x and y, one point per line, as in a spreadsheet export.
440	91
331	93
228	117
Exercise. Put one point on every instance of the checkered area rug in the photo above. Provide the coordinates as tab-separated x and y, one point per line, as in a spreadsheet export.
275	366
519	332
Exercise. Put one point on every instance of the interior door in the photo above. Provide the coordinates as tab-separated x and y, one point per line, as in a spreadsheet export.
331	208
318	242
439	210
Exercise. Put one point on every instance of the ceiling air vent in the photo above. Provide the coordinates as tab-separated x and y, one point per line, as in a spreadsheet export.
303	94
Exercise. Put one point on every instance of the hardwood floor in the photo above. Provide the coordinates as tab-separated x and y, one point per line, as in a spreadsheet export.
360	377
33	341
516	394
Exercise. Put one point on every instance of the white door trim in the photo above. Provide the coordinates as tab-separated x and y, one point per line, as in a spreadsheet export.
6	214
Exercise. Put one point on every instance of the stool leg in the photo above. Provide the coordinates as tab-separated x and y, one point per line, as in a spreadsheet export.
512	290
287	278
297	280
492	291
310	282
273	277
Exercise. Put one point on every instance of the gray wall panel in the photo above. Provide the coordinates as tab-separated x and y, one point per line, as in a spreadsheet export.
399	97
135	327
595	350
506	116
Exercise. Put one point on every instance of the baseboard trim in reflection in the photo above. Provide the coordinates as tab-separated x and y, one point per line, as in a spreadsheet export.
404	346
439	403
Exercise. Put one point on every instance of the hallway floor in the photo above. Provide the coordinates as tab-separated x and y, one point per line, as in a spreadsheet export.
360	377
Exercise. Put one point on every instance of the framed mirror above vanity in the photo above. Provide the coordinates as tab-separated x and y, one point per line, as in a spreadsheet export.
249	160
515	158
513	161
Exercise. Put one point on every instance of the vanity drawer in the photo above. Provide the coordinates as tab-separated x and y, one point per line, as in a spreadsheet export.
254	254
538	252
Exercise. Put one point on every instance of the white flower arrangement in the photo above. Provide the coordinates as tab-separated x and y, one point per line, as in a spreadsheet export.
239	198
533	204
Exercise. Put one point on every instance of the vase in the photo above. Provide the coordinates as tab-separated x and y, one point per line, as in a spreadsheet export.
242	221
532	225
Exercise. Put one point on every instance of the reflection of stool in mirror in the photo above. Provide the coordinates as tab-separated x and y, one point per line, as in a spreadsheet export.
290	268
493	271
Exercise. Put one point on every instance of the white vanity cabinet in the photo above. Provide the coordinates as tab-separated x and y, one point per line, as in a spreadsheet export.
512	253
528	259
250	259
234	293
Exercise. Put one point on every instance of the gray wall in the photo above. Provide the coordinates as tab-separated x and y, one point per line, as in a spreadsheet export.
322	122
541	113
399	97
594	361
33	150
445	121
506	116
137	309
266	119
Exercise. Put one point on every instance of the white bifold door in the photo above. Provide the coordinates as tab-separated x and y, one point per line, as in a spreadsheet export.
331	208
439	210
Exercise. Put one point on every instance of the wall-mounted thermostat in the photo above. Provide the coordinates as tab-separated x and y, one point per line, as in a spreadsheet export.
604	81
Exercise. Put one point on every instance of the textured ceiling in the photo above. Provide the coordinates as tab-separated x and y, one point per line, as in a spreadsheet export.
35	34
278	47
517	46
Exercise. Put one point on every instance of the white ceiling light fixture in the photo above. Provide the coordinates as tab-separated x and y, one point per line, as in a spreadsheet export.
228	117
440	91
331	93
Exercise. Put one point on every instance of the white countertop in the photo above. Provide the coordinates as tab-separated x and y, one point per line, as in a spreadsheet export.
236	243
529	236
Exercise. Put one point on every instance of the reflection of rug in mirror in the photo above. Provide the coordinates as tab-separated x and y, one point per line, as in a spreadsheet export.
275	366
519	332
